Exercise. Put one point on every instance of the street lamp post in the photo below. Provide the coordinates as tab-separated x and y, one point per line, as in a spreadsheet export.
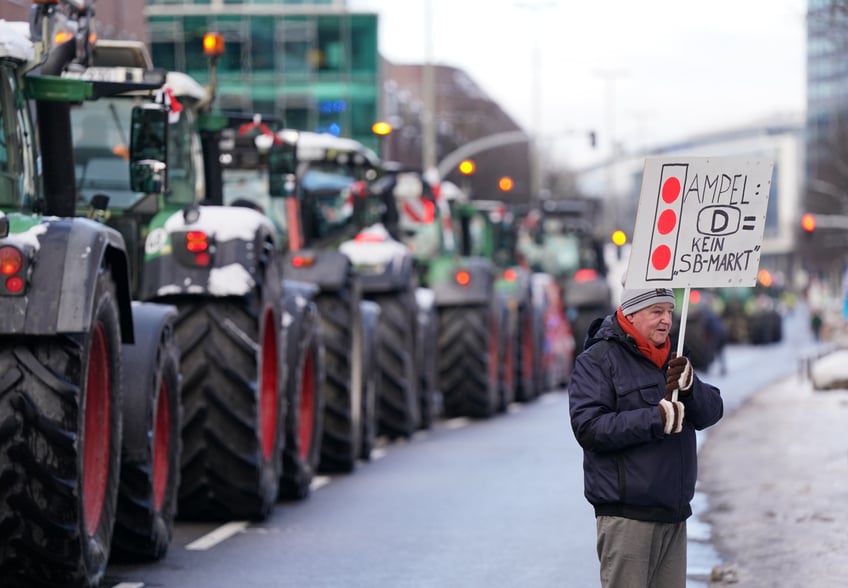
536	90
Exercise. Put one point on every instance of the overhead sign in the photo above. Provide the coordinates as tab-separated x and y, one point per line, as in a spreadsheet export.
700	222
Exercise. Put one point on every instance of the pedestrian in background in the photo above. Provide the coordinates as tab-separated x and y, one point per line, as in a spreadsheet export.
638	440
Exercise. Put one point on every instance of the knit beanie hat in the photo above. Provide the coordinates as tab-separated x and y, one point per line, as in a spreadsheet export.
635	300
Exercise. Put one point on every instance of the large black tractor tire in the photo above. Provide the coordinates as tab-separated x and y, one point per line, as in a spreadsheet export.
468	361
507	357
530	368
398	408
427	368
232	396
371	379
150	462
341	444
60	443
305	415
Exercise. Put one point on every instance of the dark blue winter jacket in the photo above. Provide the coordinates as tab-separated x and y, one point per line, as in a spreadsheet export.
631	467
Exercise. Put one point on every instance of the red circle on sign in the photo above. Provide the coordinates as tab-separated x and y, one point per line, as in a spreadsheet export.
661	257
666	222
670	190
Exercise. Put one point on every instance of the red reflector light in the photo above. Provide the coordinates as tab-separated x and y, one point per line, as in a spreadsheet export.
585	275
197	241
202	259
302	261
694	297
463	278
11	260
510	275
14	284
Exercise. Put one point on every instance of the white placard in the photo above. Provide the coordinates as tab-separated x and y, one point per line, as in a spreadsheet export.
700	222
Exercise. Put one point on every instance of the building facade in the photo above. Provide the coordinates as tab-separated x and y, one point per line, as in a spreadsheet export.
826	145
313	64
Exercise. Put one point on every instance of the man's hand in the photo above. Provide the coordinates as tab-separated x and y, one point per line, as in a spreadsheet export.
672	412
679	375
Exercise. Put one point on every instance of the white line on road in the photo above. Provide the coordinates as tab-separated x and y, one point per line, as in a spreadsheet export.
319	482
457	423
220	534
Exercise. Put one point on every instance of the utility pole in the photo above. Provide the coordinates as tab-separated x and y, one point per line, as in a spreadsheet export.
536	100
428	91
610	76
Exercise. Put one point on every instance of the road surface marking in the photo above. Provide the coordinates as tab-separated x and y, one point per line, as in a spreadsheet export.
220	534
457	423
378	453
319	482
129	585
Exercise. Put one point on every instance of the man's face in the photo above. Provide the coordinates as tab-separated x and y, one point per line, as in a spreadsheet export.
654	322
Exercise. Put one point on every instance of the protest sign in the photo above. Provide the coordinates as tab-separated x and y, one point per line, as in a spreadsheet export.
700	222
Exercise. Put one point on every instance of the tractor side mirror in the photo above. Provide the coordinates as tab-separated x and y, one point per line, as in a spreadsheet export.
149	149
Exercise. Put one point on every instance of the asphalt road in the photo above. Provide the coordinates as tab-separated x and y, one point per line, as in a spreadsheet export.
495	503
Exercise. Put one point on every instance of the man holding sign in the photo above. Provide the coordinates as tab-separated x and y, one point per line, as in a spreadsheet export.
640	460
635	404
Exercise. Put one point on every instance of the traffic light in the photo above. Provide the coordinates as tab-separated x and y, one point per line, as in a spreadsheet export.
506	184
808	222
619	237
381	128
467	167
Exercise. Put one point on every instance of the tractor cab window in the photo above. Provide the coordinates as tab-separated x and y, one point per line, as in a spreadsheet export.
328	202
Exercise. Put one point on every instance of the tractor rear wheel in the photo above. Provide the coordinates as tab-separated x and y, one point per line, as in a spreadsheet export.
341	444
468	360
399	412
232	400
147	500
60	442
305	416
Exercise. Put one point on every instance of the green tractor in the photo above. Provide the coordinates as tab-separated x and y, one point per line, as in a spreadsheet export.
558	238
471	317
89	405
483	230
249	382
311	194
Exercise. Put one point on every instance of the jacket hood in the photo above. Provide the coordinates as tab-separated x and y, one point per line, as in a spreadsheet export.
606	328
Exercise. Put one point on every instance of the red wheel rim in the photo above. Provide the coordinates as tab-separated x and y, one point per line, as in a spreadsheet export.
527	346
268	399
161	445
306	410
96	436
509	362
493	352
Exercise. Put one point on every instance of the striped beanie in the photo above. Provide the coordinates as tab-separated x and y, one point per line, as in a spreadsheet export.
635	300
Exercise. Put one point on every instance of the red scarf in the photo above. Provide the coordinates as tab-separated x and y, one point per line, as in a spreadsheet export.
658	355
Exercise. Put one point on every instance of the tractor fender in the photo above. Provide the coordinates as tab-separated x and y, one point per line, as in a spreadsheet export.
329	270
238	237
384	263
479	290
396	275
65	258
151	322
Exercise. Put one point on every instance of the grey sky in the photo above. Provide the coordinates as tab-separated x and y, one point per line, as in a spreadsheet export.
677	67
